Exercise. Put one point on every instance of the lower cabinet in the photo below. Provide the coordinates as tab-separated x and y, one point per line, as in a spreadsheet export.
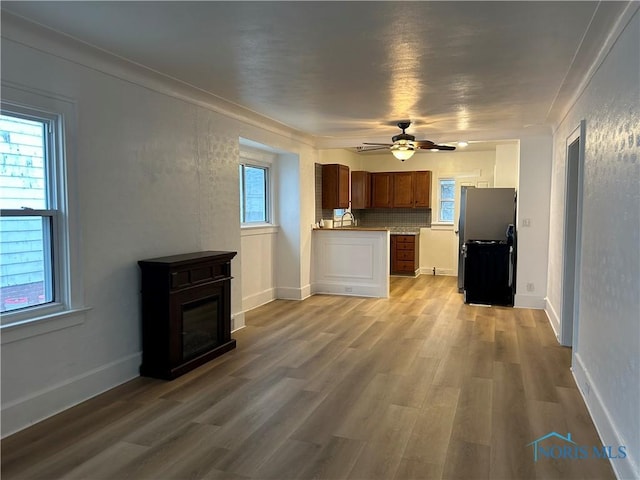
405	254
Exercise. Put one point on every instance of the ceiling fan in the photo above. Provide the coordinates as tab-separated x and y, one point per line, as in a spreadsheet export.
405	145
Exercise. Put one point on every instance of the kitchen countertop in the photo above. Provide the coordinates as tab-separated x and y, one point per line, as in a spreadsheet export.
351	229
404	230
391	230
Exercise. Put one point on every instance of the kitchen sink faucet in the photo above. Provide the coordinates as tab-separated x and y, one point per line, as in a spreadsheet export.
353	219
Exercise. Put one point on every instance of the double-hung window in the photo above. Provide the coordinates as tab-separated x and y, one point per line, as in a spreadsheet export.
446	195
254	194
30	216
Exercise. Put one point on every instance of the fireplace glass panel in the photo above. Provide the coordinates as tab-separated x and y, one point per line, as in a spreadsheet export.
200	321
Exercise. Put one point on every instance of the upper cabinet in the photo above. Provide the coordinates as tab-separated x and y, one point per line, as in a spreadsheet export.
403	189
400	189
335	186
360	189
422	189
382	190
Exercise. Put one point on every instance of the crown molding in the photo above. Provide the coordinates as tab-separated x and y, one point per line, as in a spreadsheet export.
589	58
41	38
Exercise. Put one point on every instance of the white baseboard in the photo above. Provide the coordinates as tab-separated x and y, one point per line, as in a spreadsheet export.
257	299
237	321
292	293
447	272
355	290
552	315
305	291
26	411
529	301
626	468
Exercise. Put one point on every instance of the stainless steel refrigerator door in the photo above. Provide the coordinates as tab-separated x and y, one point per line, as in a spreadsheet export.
487	213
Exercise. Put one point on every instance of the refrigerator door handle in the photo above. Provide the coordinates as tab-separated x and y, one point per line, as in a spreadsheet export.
511	266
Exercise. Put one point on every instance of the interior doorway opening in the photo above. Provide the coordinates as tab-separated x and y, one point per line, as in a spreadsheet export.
572	237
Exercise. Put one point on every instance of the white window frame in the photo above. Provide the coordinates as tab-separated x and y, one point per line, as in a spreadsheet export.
260	159
440	200
68	292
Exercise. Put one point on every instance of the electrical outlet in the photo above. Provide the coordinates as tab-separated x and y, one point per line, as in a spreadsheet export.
348	289
530	287
526	222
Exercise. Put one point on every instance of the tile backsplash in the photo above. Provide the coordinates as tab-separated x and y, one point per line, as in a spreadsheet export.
394	217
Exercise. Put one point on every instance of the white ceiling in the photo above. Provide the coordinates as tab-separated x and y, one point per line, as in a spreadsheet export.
346	72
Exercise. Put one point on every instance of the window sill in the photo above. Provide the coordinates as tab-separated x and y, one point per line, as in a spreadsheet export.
442	226
259	229
22	329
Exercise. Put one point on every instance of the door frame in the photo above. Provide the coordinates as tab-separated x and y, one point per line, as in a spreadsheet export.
572	240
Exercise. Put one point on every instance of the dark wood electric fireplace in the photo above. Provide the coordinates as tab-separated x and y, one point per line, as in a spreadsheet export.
186	312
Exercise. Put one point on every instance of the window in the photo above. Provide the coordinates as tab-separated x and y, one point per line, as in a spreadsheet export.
29	203
338	212
254	194
446	193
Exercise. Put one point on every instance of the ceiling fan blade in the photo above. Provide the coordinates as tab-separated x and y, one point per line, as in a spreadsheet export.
371	149
424	144
379	144
433	146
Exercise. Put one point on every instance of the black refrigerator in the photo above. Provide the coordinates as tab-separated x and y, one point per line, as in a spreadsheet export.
487	256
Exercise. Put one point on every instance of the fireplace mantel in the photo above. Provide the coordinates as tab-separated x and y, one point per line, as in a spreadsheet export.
186	311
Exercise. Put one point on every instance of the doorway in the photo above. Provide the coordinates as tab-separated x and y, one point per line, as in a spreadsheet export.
572	236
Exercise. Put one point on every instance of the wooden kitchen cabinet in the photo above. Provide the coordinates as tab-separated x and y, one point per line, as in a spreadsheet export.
422	189
403	190
360	190
335	186
382	190
405	254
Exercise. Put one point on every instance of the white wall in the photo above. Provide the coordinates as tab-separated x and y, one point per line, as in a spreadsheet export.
157	174
307	201
506	168
288	276
343	157
606	349
534	187
259	260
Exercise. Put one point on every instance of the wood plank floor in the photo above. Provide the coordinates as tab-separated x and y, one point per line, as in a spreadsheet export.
416	386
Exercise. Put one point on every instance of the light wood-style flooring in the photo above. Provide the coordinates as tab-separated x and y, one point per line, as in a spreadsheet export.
416	386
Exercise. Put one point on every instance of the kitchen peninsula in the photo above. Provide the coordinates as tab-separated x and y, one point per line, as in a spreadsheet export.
351	261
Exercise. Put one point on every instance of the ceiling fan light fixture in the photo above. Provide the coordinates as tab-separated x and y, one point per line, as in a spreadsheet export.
405	145
403	150
463	144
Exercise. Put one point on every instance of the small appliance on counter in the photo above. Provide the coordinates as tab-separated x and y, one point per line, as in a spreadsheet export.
326	223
